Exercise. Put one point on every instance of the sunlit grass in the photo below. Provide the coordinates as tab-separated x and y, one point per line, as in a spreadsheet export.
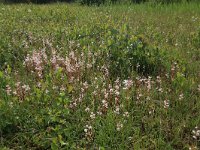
108	77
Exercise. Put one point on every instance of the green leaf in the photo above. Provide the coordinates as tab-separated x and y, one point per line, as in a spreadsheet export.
1	74
70	88
54	146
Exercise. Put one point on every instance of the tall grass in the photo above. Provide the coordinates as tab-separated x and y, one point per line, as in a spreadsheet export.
112	77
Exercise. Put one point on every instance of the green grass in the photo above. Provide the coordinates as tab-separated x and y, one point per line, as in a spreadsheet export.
112	77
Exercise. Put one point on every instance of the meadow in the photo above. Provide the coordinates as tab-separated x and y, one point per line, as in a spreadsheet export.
109	77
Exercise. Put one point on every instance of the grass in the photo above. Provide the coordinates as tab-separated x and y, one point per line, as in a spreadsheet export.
112	77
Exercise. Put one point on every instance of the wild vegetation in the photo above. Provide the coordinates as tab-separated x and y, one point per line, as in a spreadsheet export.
101	2
108	77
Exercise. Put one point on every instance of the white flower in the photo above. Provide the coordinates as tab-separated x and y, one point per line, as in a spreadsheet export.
86	130
117	110
196	133
26	87
160	90
117	93
87	109
126	114
127	84
92	115
166	103
119	126
181	96
8	89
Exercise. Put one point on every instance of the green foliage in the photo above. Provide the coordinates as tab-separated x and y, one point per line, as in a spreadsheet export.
128	53
101	2
115	77
98	2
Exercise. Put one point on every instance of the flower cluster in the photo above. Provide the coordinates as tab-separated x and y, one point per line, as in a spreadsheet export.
8	90
35	62
88	132
196	133
119	126
166	104
21	90
127	84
